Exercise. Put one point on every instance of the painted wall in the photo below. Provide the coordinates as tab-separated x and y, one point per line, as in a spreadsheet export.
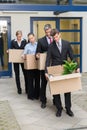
21	20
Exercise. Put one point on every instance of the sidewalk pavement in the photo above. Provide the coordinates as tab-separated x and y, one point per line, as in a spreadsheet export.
30	116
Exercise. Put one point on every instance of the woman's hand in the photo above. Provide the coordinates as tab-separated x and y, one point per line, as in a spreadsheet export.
7	51
23	57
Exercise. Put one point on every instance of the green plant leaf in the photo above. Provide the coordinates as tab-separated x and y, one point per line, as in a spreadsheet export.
69	67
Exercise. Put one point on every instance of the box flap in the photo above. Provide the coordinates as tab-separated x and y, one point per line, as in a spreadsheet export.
64	77
55	70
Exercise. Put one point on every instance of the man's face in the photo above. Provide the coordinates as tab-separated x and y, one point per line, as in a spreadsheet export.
47	32
56	37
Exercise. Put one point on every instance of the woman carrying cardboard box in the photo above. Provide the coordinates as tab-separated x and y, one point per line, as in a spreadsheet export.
19	43
33	75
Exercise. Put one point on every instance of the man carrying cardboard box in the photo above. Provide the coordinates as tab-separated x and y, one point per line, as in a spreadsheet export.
59	51
42	47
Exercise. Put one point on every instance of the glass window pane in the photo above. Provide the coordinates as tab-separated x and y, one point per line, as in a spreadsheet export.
78	60
76	49
58	2
69	24
30	1
79	2
63	2
7	1
3	46
38	27
71	36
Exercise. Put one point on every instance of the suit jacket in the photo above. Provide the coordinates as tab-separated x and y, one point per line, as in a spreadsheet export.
14	44
42	45
54	57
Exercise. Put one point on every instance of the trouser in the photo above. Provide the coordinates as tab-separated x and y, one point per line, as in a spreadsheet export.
33	79
17	75
58	103
43	87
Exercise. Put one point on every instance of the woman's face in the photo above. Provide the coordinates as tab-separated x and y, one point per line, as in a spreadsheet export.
31	39
19	36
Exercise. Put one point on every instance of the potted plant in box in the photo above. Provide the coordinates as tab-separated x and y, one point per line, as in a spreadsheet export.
69	67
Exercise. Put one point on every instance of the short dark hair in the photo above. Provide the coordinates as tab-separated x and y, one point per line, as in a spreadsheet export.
47	26
54	32
30	34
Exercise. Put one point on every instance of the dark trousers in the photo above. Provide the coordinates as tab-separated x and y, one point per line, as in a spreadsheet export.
43	87
17	75
33	79
57	100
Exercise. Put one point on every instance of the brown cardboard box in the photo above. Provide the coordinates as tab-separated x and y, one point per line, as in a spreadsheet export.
30	62
63	83
41	61
55	70
15	55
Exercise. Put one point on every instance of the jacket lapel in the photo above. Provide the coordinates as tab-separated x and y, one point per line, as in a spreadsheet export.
57	48
45	39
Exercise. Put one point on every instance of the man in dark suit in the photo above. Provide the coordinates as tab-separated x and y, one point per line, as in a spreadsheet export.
42	47
19	43
59	51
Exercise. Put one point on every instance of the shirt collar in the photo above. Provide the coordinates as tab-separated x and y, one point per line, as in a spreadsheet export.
33	44
48	37
60	42
17	40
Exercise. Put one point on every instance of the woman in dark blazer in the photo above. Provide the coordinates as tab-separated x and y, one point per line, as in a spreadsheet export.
19	43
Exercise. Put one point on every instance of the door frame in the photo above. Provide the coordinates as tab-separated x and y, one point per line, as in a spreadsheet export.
9	71
57	20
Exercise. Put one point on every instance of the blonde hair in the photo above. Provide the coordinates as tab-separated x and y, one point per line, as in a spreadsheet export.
18	32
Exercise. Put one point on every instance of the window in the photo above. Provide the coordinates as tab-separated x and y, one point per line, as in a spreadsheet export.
7	1
79	2
59	2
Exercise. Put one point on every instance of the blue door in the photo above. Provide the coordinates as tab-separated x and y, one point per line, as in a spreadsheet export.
5	38
70	28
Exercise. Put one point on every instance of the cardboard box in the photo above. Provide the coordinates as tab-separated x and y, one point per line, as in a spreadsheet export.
41	61
55	70
63	83
15	55
30	62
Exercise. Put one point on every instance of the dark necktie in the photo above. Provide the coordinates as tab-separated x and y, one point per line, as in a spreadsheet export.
50	39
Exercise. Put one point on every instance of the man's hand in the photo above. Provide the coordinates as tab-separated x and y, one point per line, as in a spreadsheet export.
38	55
47	76
78	70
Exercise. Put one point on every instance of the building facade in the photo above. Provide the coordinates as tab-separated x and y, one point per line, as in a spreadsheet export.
69	19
